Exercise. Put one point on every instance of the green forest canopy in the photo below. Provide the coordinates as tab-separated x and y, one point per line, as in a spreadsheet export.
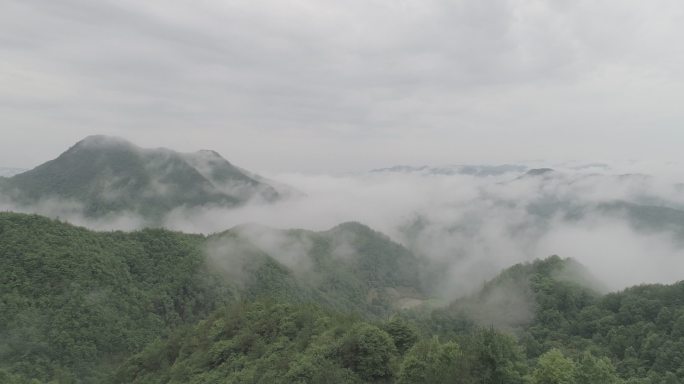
78	306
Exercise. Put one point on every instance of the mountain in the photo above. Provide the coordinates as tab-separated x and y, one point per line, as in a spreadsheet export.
105	175
74	302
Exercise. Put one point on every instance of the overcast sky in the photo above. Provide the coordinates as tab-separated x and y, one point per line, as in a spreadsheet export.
346	85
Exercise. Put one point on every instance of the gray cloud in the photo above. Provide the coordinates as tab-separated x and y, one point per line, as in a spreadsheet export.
324	85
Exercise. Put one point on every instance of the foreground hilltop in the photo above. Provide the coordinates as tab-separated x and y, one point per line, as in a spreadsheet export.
260	305
75	303
108	174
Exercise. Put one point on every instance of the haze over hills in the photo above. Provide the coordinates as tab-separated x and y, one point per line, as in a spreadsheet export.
106	175
473	219
510	300
470	222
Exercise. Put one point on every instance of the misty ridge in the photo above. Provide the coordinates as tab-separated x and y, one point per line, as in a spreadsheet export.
467	221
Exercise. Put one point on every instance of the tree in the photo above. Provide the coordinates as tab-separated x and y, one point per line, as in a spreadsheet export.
402	333
554	368
429	361
494	357
368	351
593	370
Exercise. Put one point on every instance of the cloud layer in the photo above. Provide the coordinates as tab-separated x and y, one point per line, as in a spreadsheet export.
337	86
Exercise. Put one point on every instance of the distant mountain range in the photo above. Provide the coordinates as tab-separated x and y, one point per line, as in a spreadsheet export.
109	174
465	169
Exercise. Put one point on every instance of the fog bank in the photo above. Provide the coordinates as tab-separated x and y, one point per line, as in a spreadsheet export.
472	225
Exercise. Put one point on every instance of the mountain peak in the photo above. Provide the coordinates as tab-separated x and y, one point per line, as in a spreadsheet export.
100	141
351	226
208	152
207	156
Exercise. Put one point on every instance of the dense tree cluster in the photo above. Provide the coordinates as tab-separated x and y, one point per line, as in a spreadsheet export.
267	342
74	302
78	306
634	334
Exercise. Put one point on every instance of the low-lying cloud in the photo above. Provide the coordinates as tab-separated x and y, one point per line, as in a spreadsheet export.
476	226
471	226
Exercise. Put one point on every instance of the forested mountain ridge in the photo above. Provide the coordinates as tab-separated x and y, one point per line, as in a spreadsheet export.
260	305
105	175
74	302
576	336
